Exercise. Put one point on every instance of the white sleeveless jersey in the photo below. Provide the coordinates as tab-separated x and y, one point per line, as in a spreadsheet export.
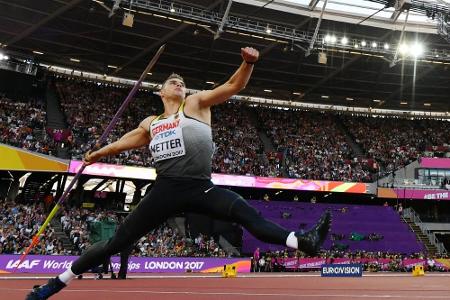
181	146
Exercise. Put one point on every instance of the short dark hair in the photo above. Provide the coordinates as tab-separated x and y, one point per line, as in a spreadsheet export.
172	76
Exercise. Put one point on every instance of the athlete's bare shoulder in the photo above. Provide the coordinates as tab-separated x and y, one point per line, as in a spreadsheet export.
145	124
194	110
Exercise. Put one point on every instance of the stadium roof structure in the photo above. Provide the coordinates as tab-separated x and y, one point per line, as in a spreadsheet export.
361	60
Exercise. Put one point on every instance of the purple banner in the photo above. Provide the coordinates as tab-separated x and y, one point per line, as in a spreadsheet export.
288	263
435	163
311	263
383	263
409	263
425	194
340	261
58	264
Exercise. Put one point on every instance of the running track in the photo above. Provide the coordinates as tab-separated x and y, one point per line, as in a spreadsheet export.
245	287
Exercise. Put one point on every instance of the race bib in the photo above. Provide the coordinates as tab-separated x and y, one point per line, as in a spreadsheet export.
167	140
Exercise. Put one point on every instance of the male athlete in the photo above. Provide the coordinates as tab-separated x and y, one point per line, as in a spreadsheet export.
180	141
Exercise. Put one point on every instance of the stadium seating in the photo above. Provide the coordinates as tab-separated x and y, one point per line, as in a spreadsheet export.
360	219
308	145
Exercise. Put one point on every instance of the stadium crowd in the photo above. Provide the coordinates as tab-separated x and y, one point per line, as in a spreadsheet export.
22	125
89	107
307	145
314	146
18	224
371	261
163	241
238	146
392	143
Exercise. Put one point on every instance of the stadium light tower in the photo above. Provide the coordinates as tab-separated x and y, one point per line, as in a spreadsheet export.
114	8
400	6
316	32
224	19
395	59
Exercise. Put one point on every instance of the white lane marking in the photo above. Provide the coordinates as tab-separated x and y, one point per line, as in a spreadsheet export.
302	296
214	275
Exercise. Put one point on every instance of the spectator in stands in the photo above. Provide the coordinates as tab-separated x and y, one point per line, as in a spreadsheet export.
261	264
255	260
400	209
355	236
337	236
375	236
445	183
430	264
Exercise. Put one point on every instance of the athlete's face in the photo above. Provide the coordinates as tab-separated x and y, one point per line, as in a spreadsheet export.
174	87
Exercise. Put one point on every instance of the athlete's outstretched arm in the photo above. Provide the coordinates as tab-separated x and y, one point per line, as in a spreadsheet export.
234	85
131	140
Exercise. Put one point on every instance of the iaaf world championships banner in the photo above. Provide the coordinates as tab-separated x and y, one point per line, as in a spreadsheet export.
40	264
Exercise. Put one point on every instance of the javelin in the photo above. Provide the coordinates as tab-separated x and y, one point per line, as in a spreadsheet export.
101	140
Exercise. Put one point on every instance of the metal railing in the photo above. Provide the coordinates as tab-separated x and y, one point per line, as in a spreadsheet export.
264	29
228	247
414	217
25	68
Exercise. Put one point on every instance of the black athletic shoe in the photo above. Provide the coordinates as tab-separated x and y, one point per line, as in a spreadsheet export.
311	241
42	292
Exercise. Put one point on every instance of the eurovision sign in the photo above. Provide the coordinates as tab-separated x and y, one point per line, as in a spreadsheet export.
341	270
58	264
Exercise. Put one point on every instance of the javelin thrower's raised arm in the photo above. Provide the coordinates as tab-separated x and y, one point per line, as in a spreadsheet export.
234	85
